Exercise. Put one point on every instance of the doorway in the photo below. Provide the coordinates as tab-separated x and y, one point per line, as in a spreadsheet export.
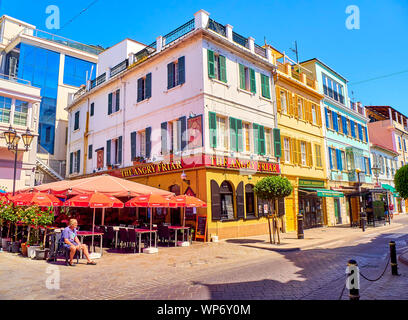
337	211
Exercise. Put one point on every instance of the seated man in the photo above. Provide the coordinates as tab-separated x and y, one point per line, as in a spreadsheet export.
72	243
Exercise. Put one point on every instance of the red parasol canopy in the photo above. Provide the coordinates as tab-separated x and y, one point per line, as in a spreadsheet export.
36	198
151	201
94	200
188	201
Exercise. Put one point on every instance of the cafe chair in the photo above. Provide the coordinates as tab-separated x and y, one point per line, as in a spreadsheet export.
133	239
163	233
123	237
109	236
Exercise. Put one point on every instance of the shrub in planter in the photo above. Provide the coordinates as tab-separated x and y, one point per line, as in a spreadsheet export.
24	249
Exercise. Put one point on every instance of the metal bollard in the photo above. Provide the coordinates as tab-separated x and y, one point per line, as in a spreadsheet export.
300	233
393	255
363	220
354	291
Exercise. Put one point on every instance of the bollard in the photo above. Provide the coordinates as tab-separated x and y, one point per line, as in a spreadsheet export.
300	233
354	291
393	257
363	220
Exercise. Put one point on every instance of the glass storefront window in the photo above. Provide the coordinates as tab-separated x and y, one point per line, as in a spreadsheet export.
76	70
5	109
21	113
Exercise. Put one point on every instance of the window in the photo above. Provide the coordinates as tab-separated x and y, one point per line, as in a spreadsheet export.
90	151
343	160
247	137
75	162
266	93
300	108
216	66
247	79
144	87
142	144
399	143
176	73
47	134
92	109
235	134
318	156
249	200
333	158
333	89
283	98
405	146
314	114
368	165
286	148
20	112
5	109
303	152
113	101
227	202
76	121
222	133
77	70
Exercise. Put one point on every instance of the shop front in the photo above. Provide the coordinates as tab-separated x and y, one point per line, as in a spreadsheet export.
226	184
312	202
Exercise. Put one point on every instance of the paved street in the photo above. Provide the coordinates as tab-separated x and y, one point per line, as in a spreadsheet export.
250	268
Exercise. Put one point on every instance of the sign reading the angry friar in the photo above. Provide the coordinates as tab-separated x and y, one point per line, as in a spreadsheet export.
235	163
151	169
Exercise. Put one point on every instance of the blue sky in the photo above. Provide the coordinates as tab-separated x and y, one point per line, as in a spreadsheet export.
379	48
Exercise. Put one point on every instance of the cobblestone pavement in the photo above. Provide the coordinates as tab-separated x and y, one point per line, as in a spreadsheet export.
251	268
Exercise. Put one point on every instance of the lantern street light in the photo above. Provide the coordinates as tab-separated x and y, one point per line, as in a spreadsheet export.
12	140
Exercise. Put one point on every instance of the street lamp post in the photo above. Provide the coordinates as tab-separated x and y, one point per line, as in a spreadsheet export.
12	140
362	213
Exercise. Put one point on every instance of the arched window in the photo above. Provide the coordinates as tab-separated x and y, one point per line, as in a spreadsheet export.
226	201
249	200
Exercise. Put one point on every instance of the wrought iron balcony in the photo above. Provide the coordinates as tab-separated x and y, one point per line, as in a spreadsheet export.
179	32
119	68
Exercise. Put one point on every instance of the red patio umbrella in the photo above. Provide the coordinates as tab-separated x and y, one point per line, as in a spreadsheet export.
36	198
187	201
94	200
151	201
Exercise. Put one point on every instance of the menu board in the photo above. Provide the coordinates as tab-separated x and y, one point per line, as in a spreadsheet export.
201	227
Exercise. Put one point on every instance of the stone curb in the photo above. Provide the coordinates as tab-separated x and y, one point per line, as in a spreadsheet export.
403	257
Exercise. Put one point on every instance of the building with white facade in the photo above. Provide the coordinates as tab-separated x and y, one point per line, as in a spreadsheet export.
199	101
58	67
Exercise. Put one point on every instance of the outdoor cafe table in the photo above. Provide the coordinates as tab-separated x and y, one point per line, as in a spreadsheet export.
175	228
139	231
82	234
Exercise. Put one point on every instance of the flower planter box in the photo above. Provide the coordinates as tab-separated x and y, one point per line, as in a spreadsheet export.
24	249
41	254
31	251
4	242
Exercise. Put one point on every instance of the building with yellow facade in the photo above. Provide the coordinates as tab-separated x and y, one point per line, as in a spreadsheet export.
303	159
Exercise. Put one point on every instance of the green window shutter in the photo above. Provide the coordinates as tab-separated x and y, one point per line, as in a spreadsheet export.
242	76
133	145
223	69
239	136
277	142
261	140
256	138
213	129
164	137
148	86
120	150
71	162
108	152
110	103
252	80
211	68
90	151
265	86
170	75
233	134
181	70
78	168
117	99
148	141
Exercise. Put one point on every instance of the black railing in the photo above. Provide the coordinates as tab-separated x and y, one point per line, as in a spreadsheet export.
259	50
96	82
144	53
153	45
119	67
237	38
179	32
217	27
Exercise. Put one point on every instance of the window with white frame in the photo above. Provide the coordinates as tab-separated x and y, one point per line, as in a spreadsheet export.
303	152
20	113
247	138
5	109
222	133
343	160
142	143
286	148
300	108
284	106
314	113
268	141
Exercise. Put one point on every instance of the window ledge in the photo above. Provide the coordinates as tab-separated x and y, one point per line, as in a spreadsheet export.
76	130
246	91
250	218
220	82
174	88
288	164
142	101
266	99
115	113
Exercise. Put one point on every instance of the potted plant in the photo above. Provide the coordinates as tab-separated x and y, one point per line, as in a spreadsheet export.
7	216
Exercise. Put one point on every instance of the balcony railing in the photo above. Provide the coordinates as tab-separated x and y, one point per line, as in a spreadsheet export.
144	53
119	68
80	92
61	40
259	50
96	82
14	79
241	40
217	27
179	32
